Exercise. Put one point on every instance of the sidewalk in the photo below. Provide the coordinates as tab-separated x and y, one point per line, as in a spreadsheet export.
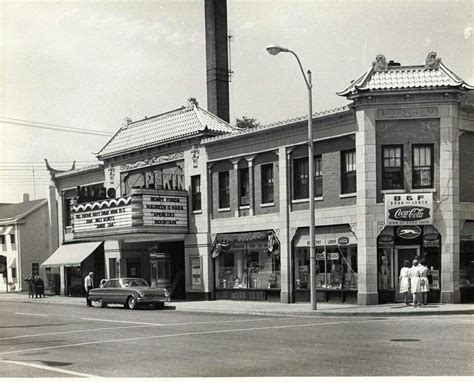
273	308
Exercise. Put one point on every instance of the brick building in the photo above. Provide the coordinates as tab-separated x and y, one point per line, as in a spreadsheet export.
214	212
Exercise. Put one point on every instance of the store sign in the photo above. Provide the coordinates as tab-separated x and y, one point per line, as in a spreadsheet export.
165	210
343	241
409	232
431	240
413	208
385	241
100	215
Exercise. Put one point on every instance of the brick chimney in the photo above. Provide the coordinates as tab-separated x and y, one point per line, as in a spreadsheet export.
217	58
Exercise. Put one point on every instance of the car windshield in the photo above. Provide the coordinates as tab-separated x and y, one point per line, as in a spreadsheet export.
133	282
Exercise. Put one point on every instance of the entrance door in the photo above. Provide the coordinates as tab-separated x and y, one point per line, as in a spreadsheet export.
134	268
161	271
402	254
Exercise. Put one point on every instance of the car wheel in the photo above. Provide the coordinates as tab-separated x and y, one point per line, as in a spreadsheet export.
101	303
131	302
159	305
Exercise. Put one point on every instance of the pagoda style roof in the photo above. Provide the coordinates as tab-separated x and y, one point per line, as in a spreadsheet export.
187	121
389	76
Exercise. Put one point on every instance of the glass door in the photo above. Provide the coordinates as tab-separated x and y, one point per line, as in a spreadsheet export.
402	254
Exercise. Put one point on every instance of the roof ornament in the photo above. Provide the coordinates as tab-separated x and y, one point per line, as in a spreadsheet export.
431	61
53	172
126	121
380	63
192	101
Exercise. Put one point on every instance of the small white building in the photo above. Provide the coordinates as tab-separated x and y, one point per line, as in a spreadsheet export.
24	241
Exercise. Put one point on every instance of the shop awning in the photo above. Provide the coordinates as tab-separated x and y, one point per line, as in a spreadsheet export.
327	236
467	231
5	230
227	241
71	255
11	262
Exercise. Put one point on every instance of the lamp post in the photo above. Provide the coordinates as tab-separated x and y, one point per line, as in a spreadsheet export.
274	50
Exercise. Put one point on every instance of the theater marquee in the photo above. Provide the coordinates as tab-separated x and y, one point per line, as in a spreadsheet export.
409	209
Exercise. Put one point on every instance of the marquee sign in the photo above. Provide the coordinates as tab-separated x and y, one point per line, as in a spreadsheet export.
409	209
165	211
101	215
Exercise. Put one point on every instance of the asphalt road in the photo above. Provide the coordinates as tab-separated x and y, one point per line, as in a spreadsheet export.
53	340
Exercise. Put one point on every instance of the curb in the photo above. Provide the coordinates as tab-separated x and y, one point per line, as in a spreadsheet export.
300	314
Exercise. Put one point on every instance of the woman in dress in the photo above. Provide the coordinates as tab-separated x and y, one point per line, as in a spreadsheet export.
415	285
404	281
425	284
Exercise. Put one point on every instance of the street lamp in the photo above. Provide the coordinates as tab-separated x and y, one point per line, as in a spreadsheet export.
274	50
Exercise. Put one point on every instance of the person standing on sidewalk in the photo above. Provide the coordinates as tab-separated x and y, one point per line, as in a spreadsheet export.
424	282
404	280
415	285
88	285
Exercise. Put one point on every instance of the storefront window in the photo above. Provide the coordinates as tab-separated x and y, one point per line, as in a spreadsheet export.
466	266
247	266
336	267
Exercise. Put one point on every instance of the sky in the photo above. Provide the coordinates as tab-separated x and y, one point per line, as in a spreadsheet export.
90	64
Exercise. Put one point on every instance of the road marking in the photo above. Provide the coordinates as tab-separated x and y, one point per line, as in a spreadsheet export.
188	334
38	315
121	321
55	369
72	332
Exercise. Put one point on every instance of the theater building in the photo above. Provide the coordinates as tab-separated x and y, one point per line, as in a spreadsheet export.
214	212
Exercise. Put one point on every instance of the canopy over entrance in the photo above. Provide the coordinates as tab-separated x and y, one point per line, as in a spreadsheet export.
71	255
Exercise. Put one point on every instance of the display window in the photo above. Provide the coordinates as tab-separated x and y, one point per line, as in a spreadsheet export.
336	267
248	268
466	266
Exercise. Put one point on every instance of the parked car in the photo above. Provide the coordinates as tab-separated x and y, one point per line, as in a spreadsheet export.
130	292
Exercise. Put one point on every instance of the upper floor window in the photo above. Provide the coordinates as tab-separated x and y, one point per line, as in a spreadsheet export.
392	167
422	166
300	178
34	269
2	240
244	187
224	190
12	239
348	172
67	211
196	192
267	183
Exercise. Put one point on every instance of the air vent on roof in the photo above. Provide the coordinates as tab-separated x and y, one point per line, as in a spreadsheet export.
393	63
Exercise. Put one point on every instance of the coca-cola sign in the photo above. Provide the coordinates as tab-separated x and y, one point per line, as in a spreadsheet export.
413	208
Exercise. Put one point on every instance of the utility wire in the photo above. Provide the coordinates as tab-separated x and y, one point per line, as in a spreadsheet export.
68	130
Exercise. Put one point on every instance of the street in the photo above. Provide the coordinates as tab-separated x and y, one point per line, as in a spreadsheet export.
56	340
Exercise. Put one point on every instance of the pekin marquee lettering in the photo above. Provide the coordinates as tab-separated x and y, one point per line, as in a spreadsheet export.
413	208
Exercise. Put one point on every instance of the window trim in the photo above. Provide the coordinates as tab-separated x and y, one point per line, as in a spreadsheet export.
402	170
317	177
431	185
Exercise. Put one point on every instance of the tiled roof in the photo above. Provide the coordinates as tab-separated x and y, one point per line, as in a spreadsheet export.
85	169
180	123
277	124
12	211
405	77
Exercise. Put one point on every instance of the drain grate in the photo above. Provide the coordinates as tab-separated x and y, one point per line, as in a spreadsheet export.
405	340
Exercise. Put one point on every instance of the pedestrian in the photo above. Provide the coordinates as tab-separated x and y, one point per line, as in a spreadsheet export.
415	284
404	280
424	282
39	284
31	287
88	285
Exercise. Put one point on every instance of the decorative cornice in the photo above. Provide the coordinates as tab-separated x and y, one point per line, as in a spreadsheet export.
405	113
152	161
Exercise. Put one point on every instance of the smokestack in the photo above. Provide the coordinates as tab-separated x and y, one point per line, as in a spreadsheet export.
26	197
217	58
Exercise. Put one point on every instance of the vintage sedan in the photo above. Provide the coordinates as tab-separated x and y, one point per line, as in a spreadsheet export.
130	292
